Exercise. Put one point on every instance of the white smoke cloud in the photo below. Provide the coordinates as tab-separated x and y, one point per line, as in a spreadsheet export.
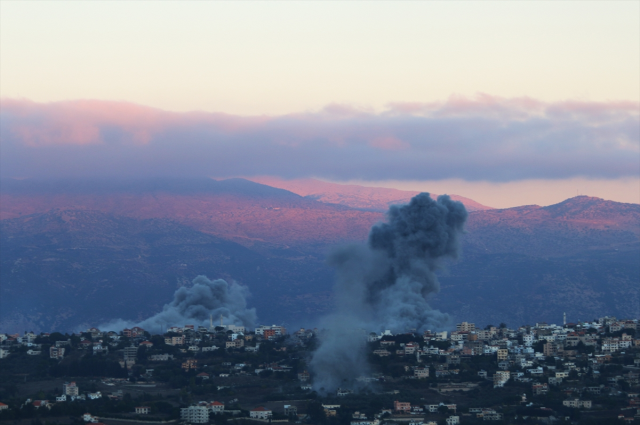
194	305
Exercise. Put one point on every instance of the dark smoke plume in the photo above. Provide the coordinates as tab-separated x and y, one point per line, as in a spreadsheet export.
195	304
385	283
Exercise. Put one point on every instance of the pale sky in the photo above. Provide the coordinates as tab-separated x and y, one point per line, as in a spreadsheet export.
282	57
277	58
527	192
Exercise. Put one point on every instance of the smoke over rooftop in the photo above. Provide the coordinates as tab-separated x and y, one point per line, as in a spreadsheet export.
385	284
195	304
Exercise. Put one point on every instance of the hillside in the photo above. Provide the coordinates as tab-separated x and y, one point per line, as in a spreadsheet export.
580	256
81	254
234	209
70	269
519	288
575	225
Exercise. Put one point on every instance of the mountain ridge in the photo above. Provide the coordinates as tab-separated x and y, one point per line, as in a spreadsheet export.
354	196
583	251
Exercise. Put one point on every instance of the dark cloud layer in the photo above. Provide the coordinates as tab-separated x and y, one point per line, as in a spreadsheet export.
484	138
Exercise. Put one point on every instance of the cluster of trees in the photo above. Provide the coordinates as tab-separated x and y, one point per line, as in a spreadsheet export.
89	365
103	407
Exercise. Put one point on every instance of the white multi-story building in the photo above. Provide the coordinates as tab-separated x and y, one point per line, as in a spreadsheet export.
421	372
610	345
410	348
465	326
528	339
160	357
260	413
490	349
576	403
500	378
70	388
441	336
459	336
195	414
279	330
485	335
453	420
56	352
174	340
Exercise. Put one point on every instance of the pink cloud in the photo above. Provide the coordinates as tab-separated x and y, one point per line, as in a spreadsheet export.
480	138
81	122
389	143
512	108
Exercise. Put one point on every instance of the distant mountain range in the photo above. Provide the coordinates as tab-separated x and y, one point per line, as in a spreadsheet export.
235	209
79	253
354	196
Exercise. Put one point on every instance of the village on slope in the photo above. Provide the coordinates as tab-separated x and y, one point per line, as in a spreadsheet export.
582	371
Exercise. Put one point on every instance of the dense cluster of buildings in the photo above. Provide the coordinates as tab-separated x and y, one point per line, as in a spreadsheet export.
539	358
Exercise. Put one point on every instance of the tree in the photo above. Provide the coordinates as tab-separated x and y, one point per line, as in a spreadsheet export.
316	412
141	355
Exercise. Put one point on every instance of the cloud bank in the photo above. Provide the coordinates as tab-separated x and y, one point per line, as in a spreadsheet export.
482	138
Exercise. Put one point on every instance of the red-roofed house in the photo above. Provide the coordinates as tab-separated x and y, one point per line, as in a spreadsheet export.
216	407
136	330
260	413
203	375
147	344
40	403
410	348
3	406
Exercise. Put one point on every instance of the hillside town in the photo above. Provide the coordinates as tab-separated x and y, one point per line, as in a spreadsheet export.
578	373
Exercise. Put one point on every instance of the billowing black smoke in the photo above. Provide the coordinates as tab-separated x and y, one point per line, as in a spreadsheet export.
194	305
385	284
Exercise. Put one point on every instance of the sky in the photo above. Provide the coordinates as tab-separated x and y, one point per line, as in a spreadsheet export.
507	103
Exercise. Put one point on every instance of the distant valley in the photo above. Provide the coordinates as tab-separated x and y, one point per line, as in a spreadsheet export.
77	254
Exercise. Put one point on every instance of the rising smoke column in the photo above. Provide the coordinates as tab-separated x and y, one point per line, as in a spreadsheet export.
385	283
195	304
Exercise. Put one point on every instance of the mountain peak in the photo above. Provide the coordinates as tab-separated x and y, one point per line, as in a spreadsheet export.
584	203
